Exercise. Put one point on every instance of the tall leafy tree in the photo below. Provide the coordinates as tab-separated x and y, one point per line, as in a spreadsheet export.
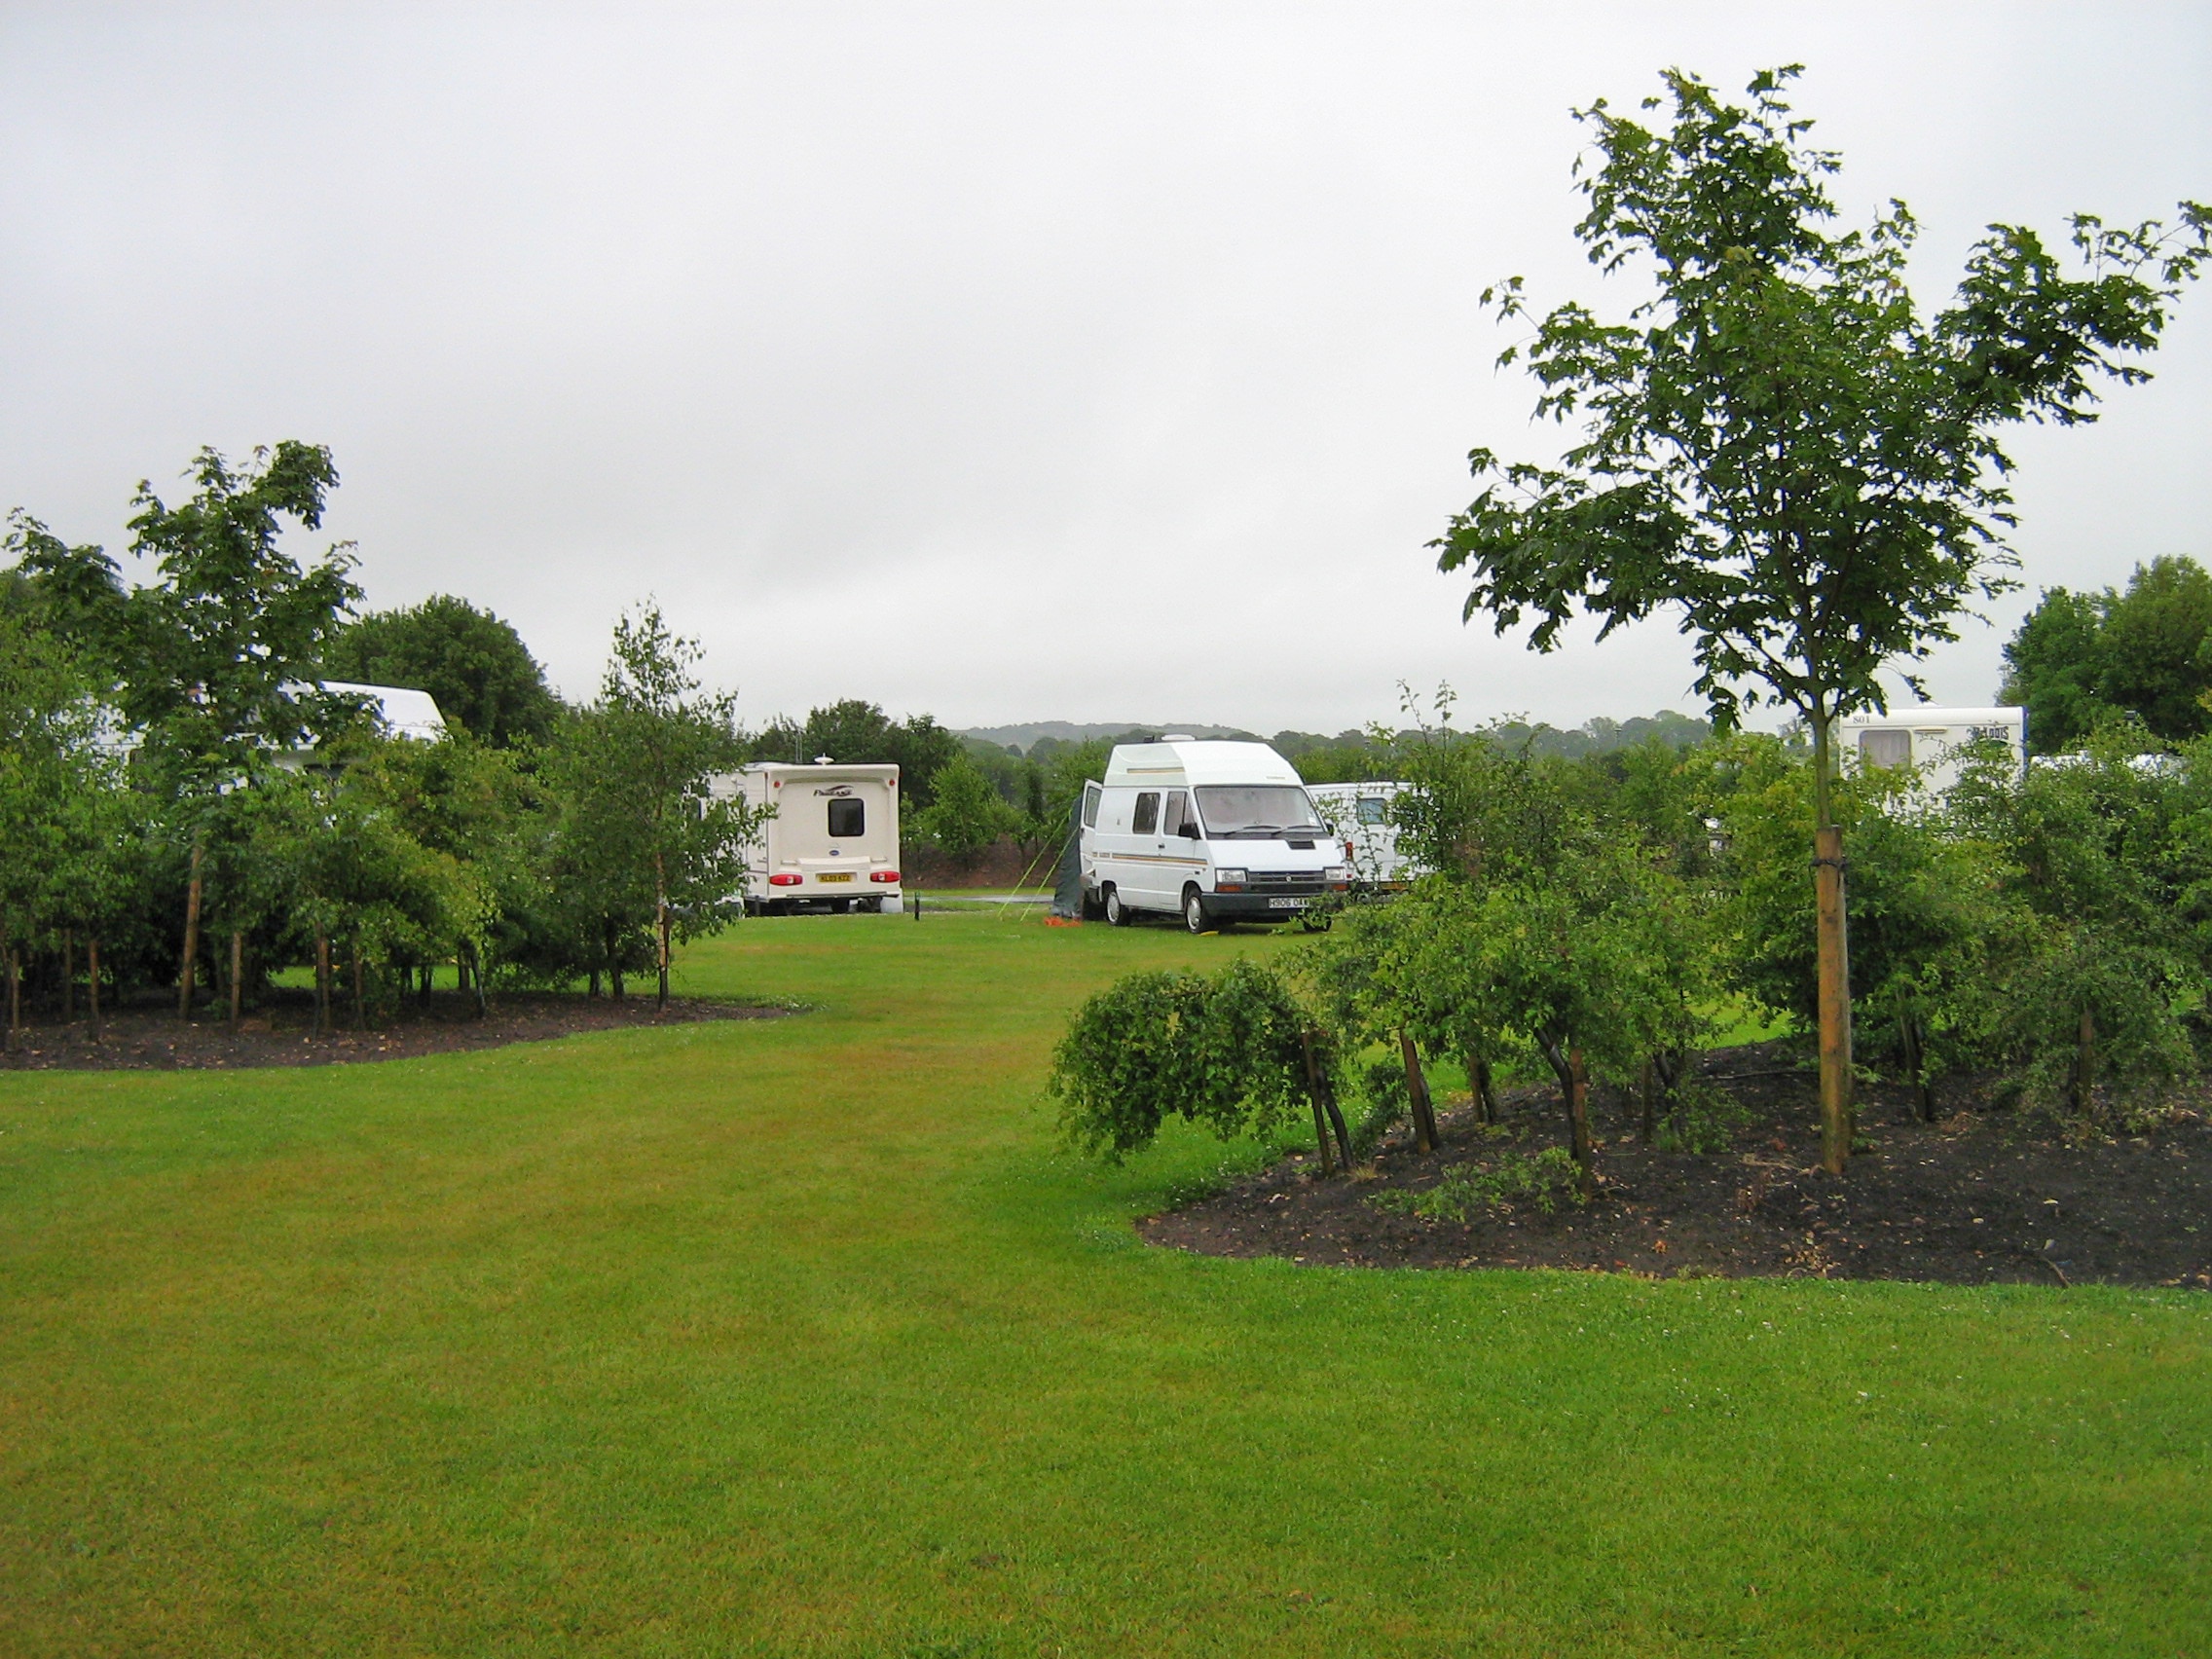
1778	447
222	651
472	662
855	731
2080	660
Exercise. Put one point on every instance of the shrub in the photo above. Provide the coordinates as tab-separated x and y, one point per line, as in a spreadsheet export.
1540	1179
1225	1051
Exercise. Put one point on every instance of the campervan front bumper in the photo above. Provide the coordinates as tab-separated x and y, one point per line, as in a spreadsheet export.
1277	904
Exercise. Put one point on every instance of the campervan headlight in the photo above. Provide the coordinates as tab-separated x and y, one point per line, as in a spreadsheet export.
1230	880
1337	876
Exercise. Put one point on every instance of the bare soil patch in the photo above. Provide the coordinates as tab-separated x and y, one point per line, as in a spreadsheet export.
281	1032
1982	1197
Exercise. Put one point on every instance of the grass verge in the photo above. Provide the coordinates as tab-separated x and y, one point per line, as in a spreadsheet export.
802	1337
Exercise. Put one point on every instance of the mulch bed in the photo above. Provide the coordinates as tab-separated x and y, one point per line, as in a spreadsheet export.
1982	1197
281	1032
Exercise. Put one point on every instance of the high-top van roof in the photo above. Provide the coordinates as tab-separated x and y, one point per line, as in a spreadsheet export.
1186	765
1936	715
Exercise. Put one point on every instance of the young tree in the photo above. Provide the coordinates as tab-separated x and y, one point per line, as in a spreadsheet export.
636	767
1778	447
472	662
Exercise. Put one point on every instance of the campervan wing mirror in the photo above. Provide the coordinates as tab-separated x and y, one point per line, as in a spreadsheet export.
1190	829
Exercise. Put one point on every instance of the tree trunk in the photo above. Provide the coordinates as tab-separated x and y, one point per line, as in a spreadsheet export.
1647	1094
1416	1092
14	1001
190	936
238	975
321	980
476	978
1574	1088
92	981
1313	1094
594	990
2086	1062
1485	1087
68	975
660	907
1835	958
361	1005
1916	1068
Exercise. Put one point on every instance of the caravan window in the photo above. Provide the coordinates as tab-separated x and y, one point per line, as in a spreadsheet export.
1090	794
1148	814
1178	809
847	819
1886	748
1370	809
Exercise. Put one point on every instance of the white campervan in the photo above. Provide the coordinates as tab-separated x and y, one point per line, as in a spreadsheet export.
1934	740
1210	831
1360	816
833	839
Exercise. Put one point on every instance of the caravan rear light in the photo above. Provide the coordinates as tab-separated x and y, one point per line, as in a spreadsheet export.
785	879
883	875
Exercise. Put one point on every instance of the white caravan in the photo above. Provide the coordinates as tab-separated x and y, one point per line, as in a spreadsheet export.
832	842
1931	739
1360	815
1210	831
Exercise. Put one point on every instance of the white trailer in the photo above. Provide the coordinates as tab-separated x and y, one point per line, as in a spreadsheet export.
1931	740
1360	815
831	841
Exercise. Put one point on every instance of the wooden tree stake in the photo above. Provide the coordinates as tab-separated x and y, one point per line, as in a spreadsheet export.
1835	1000
1417	1095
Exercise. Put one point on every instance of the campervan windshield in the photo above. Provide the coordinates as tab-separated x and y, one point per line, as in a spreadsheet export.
1256	811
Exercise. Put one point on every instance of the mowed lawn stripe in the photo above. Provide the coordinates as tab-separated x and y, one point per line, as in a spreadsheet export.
802	1336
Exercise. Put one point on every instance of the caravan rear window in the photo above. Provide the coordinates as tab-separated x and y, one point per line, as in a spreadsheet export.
847	819
1091	794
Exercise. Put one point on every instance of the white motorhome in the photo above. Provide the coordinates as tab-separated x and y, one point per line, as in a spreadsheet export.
1933	740
832	841
1360	816
1212	832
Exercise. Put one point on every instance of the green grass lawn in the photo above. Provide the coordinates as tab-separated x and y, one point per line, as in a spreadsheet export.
802	1337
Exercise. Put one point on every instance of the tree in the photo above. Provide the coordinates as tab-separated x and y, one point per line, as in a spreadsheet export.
968	814
221	652
2080	660
860	733
1778	447
472	662
2053	669
637	766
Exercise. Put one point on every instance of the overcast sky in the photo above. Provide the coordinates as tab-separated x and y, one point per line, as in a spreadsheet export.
1009	362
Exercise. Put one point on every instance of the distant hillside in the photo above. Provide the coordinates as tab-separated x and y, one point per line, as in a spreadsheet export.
1023	737
1599	736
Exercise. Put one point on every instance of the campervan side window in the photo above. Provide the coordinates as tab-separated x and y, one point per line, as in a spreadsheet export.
1886	748
1148	814
1178	809
1370	809
1090	794
848	819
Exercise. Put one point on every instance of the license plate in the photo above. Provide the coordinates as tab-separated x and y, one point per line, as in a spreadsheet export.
1288	903
840	875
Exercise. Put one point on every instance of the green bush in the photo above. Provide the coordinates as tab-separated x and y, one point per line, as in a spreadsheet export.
1224	1052
1540	1179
